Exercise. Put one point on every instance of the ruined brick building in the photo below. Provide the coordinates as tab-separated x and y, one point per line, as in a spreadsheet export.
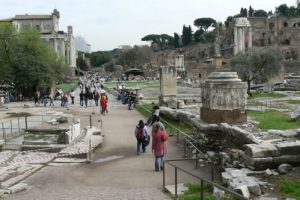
258	32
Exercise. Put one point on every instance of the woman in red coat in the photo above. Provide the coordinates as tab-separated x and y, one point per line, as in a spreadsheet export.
103	103
159	148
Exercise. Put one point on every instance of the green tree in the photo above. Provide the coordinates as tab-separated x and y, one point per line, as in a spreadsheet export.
176	40
260	13
7	44
164	41
243	12
204	23
283	10
81	62
250	12
228	21
199	35
134	57
28	62
186	35
257	64
99	58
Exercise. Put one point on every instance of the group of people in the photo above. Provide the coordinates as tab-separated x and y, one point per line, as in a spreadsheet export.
158	134
127	96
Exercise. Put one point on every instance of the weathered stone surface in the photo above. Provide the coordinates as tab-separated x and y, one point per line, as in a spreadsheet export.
292	159
289	147
262	150
2	192
243	190
295	115
260	163
284	168
235	178
61	119
287	133
223	98
169	112
18	187
180	104
27	105
172	103
219	194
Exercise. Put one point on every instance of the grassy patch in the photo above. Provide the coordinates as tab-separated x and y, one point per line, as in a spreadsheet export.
170	128
68	87
193	193
266	95
20	114
254	103
293	101
290	188
273	120
151	98
133	84
34	137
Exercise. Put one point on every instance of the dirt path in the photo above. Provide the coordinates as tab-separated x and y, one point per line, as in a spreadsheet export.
116	171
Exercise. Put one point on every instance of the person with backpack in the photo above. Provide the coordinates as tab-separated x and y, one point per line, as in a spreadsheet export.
142	137
159	147
154	115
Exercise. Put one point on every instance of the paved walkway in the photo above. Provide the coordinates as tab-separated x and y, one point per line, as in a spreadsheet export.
116	171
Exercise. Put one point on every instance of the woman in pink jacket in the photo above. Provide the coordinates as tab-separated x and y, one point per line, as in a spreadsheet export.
159	148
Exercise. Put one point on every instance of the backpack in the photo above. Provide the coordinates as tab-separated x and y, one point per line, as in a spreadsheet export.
140	134
164	136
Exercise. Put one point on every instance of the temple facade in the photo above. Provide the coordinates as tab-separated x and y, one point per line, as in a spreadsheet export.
62	42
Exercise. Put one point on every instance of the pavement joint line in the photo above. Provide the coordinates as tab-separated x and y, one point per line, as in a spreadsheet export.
43	157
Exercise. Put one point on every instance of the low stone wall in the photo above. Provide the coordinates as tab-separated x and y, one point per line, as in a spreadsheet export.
259	153
272	153
73	133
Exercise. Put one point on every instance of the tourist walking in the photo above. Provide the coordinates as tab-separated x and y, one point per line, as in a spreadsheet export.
86	97
96	97
142	137
81	98
155	115
103	103
159	147
72	95
36	98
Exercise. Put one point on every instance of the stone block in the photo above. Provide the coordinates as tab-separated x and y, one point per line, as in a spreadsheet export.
243	190
260	163
262	150
289	148
284	168
2	192
18	187
219	194
292	159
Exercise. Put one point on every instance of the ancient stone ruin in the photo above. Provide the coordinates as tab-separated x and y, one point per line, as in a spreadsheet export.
224	98
168	86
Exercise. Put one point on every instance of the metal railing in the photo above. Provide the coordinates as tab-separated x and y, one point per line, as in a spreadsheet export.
187	140
202	180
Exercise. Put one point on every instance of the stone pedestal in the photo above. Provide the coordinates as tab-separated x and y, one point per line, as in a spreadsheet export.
168	84
217	61
224	98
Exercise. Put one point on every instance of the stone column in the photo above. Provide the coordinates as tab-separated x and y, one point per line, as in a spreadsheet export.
235	40
240	39
250	38
168	85
243	39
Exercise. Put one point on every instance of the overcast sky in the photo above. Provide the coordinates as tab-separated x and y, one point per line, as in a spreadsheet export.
107	24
